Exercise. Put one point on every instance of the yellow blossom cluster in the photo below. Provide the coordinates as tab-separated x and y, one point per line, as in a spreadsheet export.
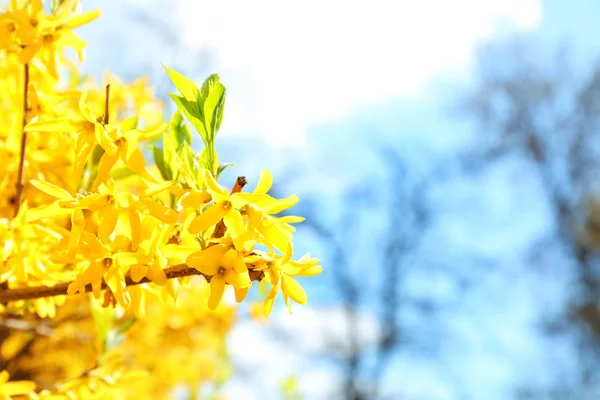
82	210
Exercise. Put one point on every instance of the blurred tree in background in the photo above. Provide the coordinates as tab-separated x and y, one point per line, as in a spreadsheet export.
538	109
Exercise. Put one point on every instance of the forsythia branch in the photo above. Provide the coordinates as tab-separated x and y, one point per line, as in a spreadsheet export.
35	292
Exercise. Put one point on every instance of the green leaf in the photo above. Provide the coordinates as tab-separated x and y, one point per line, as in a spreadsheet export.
121	173
209	160
159	159
191	111
186	154
212	103
186	86
172	162
221	168
179	130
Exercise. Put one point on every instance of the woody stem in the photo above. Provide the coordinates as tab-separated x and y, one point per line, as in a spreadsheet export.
35	292
106	102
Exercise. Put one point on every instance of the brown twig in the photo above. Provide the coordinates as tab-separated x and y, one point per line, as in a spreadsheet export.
34	292
21	171
106	106
220	228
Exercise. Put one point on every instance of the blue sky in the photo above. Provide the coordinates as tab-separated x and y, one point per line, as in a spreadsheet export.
312	87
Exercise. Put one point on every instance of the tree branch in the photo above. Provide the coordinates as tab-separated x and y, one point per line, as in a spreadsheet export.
35	292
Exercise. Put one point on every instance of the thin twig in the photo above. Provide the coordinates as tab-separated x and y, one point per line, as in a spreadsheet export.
106	102
35	292
21	171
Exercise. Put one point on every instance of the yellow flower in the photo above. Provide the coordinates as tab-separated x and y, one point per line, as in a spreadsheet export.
119	144
226	206
281	275
87	127
103	265
224	265
48	34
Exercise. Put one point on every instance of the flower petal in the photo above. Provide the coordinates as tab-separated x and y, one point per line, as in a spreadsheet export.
235	223
217	192
52	190
217	286
264	182
210	217
206	261
290	287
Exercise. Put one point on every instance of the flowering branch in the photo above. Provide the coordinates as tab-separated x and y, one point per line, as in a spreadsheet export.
36	292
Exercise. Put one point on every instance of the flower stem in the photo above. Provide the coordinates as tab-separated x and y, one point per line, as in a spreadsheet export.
21	171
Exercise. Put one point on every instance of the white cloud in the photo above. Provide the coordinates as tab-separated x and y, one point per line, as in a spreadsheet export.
290	64
288	346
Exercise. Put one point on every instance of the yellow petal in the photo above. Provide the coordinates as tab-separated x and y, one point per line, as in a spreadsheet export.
156	188
291	288
275	236
138	301
108	217
154	132
29	51
17	388
177	252
84	110
234	261
217	286
137	272
82	19
206	261
282	204
64	125
235	223
52	190
116	282
160	212
240	294
194	199
218	193
210	217
156	274
108	160
237	280
270	300
83	147
264	182
127	259
52	210
133	158
135	229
